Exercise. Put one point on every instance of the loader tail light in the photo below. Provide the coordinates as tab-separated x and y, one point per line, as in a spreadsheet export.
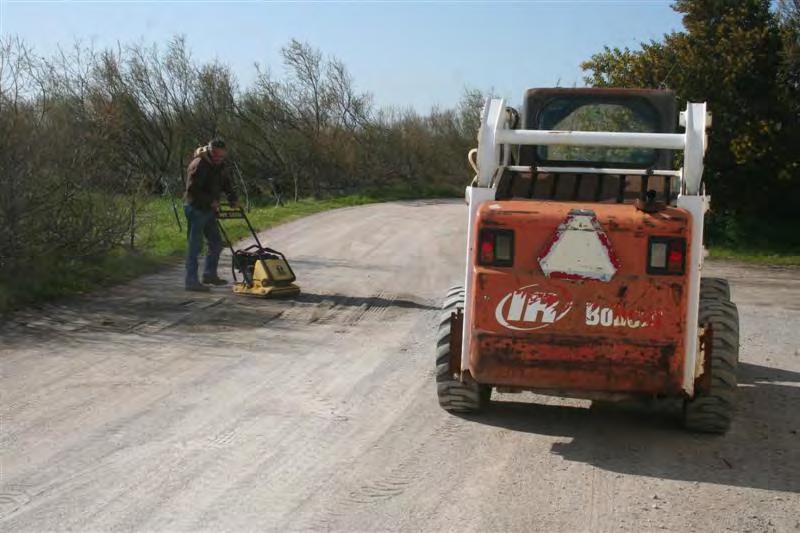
675	261
666	256
487	249
496	247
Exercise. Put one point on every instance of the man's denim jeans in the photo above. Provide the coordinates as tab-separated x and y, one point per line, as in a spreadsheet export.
201	223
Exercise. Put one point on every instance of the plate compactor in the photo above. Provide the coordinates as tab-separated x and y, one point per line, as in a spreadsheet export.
265	272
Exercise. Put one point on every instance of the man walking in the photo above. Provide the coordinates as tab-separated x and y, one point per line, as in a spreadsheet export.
205	181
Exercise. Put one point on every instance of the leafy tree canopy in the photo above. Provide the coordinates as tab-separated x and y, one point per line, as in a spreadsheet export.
743	58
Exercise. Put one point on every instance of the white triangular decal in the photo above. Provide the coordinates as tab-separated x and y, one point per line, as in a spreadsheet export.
579	250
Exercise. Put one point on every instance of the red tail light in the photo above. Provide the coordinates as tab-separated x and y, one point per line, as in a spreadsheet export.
487	248
675	259
666	255
496	247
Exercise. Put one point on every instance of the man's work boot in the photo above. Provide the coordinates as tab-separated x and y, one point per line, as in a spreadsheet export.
214	280
197	287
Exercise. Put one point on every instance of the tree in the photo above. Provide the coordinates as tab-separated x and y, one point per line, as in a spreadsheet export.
736	55
87	137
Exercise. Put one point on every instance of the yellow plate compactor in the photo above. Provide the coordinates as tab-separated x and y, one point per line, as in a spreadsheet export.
265	272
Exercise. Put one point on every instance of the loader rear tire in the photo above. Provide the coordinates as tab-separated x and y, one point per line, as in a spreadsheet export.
454	395
712	411
715	286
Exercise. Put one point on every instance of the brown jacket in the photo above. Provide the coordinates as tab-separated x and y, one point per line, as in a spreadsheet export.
205	182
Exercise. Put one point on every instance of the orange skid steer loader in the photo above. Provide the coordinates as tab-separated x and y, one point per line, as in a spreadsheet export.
584	259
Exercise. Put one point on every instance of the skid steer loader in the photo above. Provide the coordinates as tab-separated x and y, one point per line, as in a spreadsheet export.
584	259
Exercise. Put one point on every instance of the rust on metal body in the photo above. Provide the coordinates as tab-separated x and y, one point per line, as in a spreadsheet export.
625	334
577	363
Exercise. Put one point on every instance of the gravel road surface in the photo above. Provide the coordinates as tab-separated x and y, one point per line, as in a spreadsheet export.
147	408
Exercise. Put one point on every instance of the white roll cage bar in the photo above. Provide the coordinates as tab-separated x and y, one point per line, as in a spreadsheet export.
495	134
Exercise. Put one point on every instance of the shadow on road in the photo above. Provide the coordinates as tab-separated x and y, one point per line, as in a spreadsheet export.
316	264
359	301
155	306
762	449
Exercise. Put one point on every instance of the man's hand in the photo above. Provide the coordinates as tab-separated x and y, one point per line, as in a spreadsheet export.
215	206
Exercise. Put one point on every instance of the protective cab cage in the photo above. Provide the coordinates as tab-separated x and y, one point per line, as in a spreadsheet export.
530	173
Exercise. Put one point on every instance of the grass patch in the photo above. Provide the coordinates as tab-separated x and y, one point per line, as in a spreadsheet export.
754	256
159	242
160	236
753	240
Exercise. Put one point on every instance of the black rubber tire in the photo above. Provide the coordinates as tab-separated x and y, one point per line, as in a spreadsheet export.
712	411
454	395
715	286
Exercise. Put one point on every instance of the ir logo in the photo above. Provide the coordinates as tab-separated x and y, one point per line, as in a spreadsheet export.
532	307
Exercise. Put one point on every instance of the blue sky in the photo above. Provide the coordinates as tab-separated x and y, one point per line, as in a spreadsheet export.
415	54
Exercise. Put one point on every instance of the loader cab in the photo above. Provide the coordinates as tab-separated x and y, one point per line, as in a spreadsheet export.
614	110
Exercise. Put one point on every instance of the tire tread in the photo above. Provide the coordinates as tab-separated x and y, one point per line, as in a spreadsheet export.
454	395
712	411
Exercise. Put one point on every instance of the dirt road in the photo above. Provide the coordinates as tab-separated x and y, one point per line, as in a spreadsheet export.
146	408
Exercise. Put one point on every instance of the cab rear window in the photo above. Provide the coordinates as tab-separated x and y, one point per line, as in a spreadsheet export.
568	114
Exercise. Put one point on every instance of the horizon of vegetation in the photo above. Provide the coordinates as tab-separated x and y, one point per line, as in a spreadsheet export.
89	137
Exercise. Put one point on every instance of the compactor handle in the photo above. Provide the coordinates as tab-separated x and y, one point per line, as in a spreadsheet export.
227	212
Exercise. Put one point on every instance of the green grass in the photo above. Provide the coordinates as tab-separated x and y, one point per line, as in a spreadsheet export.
160	242
161	237
755	256
753	240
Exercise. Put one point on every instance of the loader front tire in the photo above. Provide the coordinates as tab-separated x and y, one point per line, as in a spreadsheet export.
711	411
454	395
